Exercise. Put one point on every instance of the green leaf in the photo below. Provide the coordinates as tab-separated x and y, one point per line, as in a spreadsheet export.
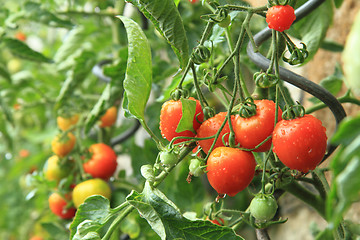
35	12
95	210
21	50
167	20
55	230
188	113
86	229
348	130
4	73
312	28
5	109
98	109
75	76
167	221
351	57
138	77
338	3
332	46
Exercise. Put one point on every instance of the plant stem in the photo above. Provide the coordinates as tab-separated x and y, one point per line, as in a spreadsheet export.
152	135
116	222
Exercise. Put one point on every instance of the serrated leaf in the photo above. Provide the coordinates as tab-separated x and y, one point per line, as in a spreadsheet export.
188	112
167	20
35	12
312	28
351	57
96	209
166	220
21	50
138	77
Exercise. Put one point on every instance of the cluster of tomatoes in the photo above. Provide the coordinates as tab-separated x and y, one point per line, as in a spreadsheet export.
98	164
299	143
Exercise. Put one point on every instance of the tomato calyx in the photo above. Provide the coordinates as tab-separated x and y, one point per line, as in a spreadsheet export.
265	79
200	54
178	93
277	3
248	108
292	112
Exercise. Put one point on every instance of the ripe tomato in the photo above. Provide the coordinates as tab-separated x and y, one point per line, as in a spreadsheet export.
36	238
300	143
58	204
280	17
230	170
52	169
103	161
109	118
209	128
63	147
250	132
193	1
20	36
89	188
64	123
171	113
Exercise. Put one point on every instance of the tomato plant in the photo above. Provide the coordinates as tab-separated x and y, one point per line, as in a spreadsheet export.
103	161
252	131
63	145
89	188
280	17
170	116
210	127
208	115
59	206
300	143
109	118
230	170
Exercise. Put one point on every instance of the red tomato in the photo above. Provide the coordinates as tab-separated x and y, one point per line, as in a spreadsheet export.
58	204
103	161
209	128
109	118
280	17
64	123
250	132
20	36
36	238
63	147
300	143
215	221
230	170
193	1
89	188
171	113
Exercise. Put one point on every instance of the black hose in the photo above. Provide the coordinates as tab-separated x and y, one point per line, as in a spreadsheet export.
295	79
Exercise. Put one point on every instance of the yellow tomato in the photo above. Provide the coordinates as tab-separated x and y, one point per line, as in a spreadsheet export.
89	188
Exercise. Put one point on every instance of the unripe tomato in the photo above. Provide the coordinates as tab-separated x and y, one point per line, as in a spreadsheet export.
196	167
230	170
168	158
109	118
280	17
58	205
53	170
103	161
89	188
300	143
263	207
171	113
64	123
250	132
63	147
209	128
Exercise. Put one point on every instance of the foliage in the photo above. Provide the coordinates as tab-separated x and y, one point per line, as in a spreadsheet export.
84	57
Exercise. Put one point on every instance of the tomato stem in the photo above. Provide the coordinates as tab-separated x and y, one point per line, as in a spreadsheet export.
116	222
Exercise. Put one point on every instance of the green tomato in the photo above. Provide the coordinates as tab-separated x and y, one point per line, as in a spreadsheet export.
263	207
168	158
195	167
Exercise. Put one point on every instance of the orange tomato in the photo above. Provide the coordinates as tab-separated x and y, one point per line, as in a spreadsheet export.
58	205
63	147
109	118
64	123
